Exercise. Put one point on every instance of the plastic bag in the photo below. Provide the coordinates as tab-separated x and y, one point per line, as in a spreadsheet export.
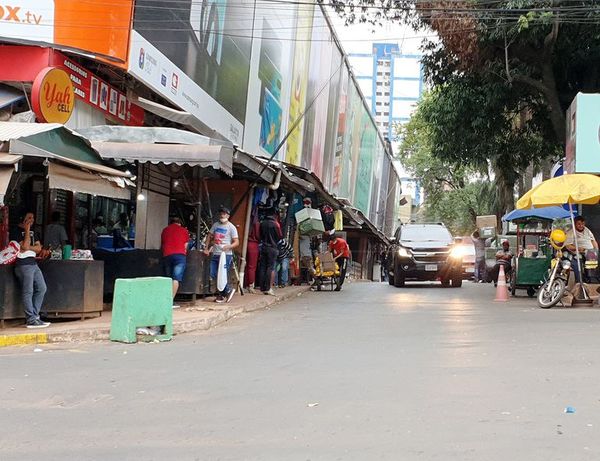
9	254
222	273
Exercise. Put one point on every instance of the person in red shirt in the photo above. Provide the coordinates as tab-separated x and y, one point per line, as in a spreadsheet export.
174	240
341	254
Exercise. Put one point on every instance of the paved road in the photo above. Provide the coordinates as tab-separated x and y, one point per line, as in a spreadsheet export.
420	373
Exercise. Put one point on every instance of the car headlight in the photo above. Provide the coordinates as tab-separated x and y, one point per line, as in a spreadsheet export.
457	252
404	252
566	264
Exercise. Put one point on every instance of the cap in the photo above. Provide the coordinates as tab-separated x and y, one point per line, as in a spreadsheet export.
224	209
307	200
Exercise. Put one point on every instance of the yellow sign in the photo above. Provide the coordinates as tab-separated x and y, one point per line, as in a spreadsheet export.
52	96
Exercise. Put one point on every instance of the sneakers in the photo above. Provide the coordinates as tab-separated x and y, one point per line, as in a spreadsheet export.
230	295
270	292
220	299
176	306
338	289
37	323
251	290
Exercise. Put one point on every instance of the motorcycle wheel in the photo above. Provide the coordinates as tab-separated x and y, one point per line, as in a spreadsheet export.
550	295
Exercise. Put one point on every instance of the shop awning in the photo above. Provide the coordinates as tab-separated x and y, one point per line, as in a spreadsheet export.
217	157
9	95
8	165
77	180
146	134
174	115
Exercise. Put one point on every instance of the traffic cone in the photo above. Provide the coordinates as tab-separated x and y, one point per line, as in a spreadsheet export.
501	288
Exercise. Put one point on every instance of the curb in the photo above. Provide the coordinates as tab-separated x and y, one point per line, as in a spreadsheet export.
179	327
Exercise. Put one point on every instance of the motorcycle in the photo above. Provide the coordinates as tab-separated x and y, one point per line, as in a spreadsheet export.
551	292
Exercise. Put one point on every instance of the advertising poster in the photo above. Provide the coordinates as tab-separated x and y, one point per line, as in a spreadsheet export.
203	41
376	190
299	82
332	117
269	74
364	171
350	141
95	27
336	177
319	75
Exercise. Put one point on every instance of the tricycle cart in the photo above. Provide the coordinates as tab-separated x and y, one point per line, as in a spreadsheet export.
327	271
533	252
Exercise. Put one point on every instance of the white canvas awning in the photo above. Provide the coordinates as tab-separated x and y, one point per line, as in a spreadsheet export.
77	180
204	156
8	165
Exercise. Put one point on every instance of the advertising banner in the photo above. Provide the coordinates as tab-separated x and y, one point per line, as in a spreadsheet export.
332	117
583	135
299	82
94	27
336	179
206	46
364	171
153	68
270	78
319	75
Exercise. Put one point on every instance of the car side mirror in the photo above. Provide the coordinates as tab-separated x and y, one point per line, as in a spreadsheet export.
393	239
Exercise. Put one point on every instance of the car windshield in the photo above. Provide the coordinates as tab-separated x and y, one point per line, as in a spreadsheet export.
425	234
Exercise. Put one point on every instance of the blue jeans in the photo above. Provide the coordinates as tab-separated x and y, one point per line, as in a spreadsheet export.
214	270
34	288
283	272
480	270
174	266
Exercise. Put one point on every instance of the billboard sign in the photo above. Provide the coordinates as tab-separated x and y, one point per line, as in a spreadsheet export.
151	67
583	135
194	55
94	27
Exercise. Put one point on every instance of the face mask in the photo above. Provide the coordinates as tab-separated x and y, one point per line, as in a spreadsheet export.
223	220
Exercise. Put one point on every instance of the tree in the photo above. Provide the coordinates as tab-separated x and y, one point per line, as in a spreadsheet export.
455	192
544	50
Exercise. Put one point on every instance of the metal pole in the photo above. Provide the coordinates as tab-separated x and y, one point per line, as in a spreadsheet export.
585	295
246	236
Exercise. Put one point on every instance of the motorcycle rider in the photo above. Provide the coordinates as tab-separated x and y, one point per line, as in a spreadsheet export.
503	258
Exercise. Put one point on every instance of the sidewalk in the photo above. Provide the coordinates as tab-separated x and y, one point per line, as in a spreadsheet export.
201	315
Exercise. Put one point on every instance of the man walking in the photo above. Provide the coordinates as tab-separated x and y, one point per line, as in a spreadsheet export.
341	253
224	238
30	276
174	241
270	235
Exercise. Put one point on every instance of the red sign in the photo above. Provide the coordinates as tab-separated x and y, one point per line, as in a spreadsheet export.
96	92
52	96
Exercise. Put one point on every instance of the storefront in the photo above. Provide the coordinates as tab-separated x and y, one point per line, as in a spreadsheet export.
45	169
179	174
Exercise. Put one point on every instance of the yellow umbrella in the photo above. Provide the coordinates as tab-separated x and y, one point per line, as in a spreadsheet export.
575	189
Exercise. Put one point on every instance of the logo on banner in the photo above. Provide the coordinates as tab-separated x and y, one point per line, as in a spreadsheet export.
52	95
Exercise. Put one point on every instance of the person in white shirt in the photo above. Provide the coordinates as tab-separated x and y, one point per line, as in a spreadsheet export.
585	238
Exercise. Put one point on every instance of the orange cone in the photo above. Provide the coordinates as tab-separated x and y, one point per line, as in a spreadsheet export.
501	288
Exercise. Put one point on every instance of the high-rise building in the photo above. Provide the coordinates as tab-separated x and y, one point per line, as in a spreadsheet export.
392	81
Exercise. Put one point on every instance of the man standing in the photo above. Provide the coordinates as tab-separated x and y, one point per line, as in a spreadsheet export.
30	276
174	240
341	253
223	237
479	245
270	235
55	235
283	258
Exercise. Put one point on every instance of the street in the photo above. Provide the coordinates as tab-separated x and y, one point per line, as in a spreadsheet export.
373	372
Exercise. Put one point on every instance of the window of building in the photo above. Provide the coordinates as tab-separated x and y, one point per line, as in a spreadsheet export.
378	93
386	114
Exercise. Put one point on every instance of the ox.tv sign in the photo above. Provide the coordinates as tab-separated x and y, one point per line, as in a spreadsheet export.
31	20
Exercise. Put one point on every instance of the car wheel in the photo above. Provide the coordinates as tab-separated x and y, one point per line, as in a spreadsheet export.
457	282
445	283
398	278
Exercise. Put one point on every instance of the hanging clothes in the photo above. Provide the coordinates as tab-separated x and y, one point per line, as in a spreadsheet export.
338	220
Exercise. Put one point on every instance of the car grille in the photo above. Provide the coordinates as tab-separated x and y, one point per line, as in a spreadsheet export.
431	256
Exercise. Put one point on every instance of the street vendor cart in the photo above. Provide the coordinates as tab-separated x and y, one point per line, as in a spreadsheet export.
533	252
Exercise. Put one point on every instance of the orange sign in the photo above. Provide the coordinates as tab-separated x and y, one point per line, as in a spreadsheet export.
52	96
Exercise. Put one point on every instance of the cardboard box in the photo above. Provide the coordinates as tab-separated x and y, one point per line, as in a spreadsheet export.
486	221
310	222
487	232
327	262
